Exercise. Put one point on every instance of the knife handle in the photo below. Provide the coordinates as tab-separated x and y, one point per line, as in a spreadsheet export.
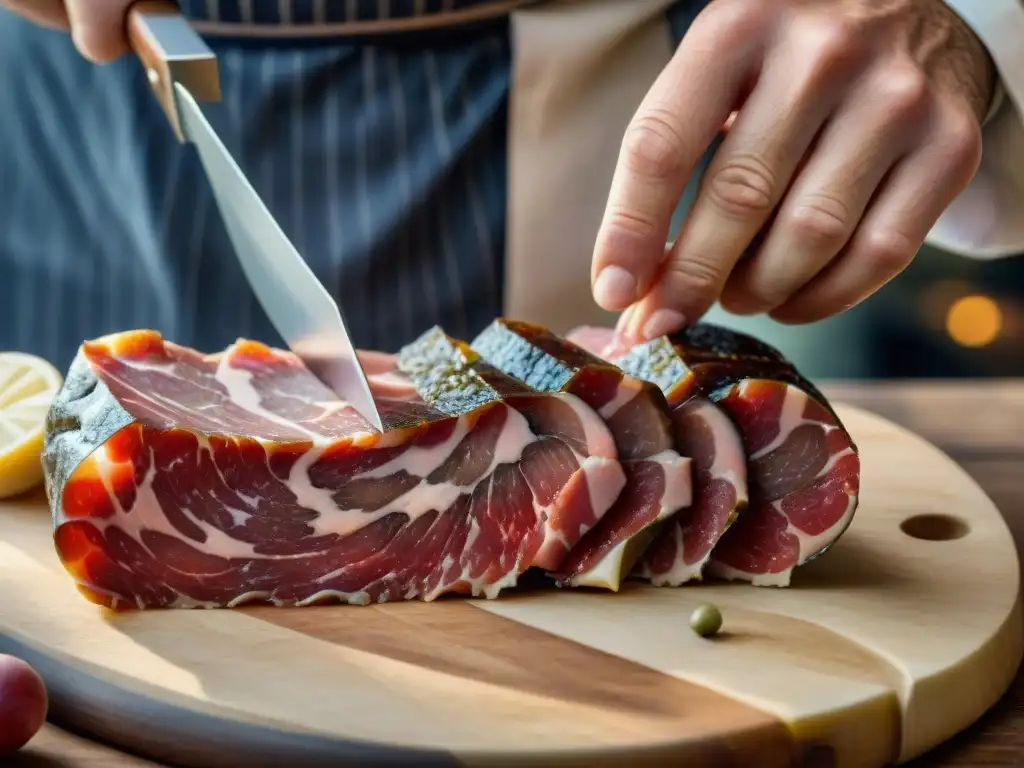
172	52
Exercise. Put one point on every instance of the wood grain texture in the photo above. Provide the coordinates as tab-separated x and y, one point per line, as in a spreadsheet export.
824	652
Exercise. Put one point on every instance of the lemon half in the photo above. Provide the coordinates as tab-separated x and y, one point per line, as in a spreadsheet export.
27	386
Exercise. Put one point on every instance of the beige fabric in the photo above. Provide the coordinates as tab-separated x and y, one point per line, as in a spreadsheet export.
580	70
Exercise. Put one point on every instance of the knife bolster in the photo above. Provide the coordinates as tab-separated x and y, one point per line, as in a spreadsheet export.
172	52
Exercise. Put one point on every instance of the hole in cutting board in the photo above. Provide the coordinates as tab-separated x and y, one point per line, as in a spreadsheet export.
935	527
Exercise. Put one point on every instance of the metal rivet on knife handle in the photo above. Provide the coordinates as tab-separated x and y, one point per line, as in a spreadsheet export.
171	51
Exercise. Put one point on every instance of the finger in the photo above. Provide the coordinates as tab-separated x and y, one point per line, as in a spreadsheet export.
747	177
820	212
98	28
675	123
919	189
48	13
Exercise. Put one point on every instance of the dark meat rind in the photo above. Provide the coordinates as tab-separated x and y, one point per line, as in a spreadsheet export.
82	416
723	366
452	377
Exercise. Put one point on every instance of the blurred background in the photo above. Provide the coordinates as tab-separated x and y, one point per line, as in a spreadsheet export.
946	316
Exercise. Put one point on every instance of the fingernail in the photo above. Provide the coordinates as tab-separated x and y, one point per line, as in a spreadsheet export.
623	336
623	321
614	287
661	322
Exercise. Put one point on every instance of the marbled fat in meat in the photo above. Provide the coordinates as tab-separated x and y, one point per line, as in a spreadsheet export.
802	465
178	479
658	482
682	547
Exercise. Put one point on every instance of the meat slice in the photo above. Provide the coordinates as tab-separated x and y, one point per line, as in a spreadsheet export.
682	548
803	465
657	477
178	479
681	551
574	470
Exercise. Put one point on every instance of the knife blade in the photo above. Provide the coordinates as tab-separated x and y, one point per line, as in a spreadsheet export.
182	71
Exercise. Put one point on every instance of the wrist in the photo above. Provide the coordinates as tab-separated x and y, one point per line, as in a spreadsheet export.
981	80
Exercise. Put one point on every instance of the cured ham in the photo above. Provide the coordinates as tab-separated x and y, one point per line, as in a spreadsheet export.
178	479
802	464
681	549
657	477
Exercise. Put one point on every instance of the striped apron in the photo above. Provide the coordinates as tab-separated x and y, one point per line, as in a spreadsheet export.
377	133
435	162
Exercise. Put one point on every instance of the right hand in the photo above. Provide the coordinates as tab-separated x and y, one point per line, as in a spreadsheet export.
97	26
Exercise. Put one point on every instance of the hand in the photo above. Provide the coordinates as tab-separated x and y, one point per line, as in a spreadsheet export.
97	26
855	123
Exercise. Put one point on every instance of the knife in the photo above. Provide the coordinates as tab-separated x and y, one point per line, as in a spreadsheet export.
182	71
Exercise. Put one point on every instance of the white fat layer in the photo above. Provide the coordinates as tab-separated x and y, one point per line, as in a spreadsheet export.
810	545
603	476
680	572
729	464
239	385
598	438
627	391
146	514
728	573
418	500
678	492
604	480
608	571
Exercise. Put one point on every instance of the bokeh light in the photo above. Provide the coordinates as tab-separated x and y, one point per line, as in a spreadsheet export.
974	321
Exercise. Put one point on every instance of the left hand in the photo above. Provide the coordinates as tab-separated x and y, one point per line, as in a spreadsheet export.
856	122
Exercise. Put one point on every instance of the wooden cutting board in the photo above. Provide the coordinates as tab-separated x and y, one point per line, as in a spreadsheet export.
899	637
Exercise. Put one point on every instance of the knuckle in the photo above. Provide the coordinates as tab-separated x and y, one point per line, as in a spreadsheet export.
731	23
820	221
694	276
889	251
630	224
961	142
833	42
904	92
743	187
654	146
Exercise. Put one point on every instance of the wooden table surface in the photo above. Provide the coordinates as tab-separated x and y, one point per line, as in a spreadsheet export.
978	423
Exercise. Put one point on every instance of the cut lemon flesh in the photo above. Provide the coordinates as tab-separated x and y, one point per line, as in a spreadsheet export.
27	386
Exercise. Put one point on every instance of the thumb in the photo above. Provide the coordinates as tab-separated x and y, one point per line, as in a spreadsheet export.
98	28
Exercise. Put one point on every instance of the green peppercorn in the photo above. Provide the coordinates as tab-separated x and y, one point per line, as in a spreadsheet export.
706	620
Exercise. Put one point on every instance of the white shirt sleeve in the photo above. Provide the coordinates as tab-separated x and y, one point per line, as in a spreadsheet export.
986	220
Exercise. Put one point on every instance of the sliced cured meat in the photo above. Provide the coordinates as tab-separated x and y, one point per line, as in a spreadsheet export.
682	548
574	469
657	477
178	479
803	466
